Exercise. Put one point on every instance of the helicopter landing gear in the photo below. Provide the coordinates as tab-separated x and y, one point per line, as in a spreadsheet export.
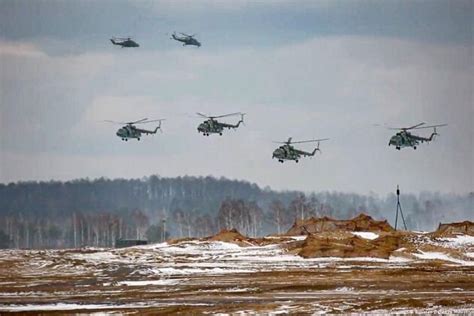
414	147
280	160
397	148
126	139
296	160
220	134
138	138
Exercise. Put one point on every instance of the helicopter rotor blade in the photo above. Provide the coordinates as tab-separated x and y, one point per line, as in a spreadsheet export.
139	121
184	34
415	126
431	126
310	141
114	122
289	141
203	115
151	121
225	115
406	128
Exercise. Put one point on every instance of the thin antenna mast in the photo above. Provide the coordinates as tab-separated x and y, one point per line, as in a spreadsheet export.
399	207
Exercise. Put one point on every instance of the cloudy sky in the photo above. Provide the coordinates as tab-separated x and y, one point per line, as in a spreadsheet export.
298	68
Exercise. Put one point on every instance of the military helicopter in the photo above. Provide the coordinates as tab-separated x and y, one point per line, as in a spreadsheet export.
130	131
405	139
124	42
186	39
212	126
288	152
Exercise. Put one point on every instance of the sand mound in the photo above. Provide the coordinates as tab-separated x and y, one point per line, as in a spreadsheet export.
350	247
452	229
361	222
232	236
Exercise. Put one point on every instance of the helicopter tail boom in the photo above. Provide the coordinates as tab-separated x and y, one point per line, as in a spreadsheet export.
241	120
316	150
432	136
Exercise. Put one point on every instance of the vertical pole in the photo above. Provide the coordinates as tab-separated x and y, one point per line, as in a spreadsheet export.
399	207
398	203
163	230
401	213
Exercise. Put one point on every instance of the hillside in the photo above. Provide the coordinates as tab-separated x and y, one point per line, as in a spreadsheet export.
38	215
344	270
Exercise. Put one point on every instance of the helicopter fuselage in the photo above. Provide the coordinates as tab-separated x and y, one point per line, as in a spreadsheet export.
187	40
287	152
213	126
210	127
405	139
126	43
129	132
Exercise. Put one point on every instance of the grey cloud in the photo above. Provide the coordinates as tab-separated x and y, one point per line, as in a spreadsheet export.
333	87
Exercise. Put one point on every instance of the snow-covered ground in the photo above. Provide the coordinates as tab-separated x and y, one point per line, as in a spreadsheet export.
366	235
187	273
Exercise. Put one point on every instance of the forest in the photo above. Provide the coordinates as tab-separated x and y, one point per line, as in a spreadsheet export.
84	212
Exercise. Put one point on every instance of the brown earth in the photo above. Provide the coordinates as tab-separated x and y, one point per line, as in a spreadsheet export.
453	229
362	222
264	284
233	236
351	246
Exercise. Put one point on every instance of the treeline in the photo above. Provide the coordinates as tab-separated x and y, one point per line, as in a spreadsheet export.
97	212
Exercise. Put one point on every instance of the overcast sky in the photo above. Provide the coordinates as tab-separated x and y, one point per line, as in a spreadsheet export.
297	68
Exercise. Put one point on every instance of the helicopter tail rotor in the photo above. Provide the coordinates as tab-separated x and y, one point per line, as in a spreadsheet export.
242	118
316	150
434	134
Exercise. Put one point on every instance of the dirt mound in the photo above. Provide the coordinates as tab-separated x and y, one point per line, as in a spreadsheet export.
361	222
232	236
451	229
350	247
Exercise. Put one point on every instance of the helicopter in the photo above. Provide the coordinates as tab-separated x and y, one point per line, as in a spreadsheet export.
124	42
288	152
186	39
405	139
212	126
130	131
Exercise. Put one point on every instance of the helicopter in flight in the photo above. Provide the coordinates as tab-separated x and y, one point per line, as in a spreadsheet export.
406	139
288	152
186	39
124	42
212	126
129	130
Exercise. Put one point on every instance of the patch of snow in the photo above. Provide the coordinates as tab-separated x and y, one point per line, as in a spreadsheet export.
149	282
441	256
459	241
211	271
344	289
366	235
299	237
470	254
72	306
398	259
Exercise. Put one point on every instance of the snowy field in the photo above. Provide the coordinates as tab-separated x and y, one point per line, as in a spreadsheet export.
216	277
